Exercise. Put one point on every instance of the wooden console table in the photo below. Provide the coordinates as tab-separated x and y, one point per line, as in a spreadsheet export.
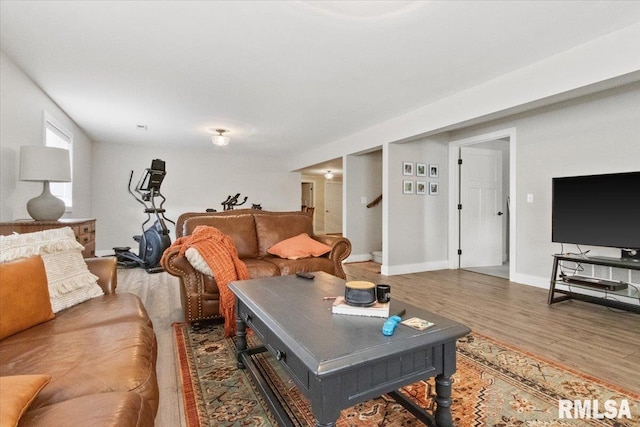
567	294
84	230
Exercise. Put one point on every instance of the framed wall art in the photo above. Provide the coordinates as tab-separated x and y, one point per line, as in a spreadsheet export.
434	171
407	168
421	187
434	188
407	187
421	169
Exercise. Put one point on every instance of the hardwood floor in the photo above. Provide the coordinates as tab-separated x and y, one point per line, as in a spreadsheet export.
596	340
160	294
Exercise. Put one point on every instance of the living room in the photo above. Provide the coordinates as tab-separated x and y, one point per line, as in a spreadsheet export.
568	111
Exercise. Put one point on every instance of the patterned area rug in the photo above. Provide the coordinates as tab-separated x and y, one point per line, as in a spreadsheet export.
495	385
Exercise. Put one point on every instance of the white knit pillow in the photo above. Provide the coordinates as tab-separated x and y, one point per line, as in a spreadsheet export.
69	279
197	261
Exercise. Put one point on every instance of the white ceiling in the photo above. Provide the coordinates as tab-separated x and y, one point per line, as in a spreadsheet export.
281	76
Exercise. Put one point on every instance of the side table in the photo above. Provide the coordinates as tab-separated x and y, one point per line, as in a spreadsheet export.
84	230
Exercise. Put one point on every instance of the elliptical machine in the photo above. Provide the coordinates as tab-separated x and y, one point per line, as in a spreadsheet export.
155	239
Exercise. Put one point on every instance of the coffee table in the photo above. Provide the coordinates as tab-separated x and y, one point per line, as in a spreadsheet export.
340	360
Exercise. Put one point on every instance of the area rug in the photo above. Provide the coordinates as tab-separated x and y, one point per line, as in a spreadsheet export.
495	385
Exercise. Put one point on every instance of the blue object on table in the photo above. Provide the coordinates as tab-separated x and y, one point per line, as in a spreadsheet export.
391	323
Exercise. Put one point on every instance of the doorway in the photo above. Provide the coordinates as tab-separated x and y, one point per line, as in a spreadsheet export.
483	184
308	197
333	207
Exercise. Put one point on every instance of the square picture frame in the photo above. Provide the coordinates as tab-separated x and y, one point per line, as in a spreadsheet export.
421	187
434	188
421	169
407	168
407	187
434	171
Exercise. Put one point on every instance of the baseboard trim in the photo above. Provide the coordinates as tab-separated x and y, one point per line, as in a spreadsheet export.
526	279
357	258
393	270
104	252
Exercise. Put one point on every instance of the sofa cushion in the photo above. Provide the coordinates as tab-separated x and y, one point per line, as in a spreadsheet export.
272	229
121	409
292	266
119	356
16	394
24	296
97	312
241	229
70	281
260	268
297	247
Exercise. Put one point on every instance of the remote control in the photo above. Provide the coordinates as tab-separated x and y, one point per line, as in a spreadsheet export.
305	275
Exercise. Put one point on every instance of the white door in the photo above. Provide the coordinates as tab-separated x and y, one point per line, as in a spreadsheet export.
481	200
333	207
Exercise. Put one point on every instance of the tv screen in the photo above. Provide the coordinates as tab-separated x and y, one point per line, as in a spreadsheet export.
597	210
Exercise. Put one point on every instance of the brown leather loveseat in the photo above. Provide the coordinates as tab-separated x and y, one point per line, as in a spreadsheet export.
100	356
253	232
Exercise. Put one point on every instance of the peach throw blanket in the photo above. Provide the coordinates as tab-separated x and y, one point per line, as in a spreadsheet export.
221	255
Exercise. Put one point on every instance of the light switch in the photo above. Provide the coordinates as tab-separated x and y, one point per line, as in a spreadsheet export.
529	198
363	200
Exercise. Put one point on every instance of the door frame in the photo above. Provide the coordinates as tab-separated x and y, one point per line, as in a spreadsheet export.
454	190
314	183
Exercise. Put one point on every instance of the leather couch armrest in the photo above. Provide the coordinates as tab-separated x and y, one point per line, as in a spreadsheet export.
192	283
340	250
107	271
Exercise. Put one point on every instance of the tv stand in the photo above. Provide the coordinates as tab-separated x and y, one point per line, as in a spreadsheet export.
607	288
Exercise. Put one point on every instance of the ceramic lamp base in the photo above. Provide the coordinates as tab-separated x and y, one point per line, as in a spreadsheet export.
46	207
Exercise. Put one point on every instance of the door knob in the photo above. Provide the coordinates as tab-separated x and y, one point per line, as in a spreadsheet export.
500	213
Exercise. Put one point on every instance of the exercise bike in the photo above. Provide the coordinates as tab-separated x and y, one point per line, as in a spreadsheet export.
155	239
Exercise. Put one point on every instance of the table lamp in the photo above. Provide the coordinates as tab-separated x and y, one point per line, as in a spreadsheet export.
46	164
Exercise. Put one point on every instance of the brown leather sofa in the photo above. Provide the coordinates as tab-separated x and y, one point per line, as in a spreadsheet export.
253	232
101	356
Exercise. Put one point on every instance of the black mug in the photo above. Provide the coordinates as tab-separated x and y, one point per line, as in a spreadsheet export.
383	293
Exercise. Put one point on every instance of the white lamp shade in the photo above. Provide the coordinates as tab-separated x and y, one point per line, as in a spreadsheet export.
40	163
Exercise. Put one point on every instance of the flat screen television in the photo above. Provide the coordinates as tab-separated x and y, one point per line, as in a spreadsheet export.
597	210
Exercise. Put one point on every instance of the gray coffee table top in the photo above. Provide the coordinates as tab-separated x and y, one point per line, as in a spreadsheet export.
294	310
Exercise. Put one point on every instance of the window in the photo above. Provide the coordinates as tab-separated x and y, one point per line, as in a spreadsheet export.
56	135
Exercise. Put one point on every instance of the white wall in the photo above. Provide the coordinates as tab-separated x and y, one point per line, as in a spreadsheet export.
196	180
22	104
601	63
416	226
363	227
589	135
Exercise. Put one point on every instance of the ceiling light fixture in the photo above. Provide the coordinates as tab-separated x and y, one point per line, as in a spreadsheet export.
328	175
219	139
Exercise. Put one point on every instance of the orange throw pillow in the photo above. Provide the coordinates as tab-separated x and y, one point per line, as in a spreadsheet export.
16	394
24	295
300	246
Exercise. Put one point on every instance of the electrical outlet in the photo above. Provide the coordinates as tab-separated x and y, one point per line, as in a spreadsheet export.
529	198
